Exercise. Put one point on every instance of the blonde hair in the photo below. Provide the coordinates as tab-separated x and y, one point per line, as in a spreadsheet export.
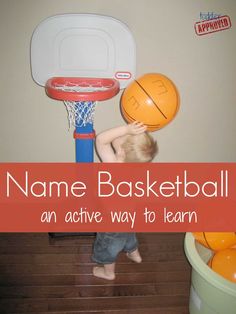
139	148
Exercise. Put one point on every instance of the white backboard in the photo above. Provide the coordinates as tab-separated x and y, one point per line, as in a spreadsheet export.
83	45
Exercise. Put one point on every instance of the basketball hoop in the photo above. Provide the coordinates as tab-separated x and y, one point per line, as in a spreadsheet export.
63	61
80	96
63	46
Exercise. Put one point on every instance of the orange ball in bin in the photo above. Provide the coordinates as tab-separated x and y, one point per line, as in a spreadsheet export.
152	99
216	240
224	263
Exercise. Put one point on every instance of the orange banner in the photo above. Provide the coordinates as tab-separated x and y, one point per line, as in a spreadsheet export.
91	197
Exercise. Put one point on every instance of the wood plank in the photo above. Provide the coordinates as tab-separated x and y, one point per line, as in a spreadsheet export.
12	239
88	279
43	239
148	256
88	304
85	268
81	248
110	290
165	310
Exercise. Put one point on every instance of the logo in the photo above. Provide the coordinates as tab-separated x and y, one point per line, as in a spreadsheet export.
122	75
211	25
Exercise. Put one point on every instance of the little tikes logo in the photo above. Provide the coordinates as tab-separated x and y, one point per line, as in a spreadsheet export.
211	22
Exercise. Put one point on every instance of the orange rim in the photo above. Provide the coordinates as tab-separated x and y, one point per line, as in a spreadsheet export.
54	89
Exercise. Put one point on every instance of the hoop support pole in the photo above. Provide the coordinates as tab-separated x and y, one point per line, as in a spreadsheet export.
84	139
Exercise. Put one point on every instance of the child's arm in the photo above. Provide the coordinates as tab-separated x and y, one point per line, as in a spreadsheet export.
104	139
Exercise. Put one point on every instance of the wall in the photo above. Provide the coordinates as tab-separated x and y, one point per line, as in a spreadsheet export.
35	128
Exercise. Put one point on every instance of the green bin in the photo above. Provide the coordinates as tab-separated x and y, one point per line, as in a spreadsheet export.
210	293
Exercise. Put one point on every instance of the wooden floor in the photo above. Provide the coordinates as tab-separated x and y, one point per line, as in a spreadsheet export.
39	274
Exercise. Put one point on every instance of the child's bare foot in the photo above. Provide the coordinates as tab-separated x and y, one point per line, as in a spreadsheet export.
135	256
102	272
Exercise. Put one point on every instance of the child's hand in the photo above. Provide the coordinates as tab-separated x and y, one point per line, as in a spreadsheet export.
136	128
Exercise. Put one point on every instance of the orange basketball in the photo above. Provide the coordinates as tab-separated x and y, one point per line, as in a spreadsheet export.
224	263
152	99
216	240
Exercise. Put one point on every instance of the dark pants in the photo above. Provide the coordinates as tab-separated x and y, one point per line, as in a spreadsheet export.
108	245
